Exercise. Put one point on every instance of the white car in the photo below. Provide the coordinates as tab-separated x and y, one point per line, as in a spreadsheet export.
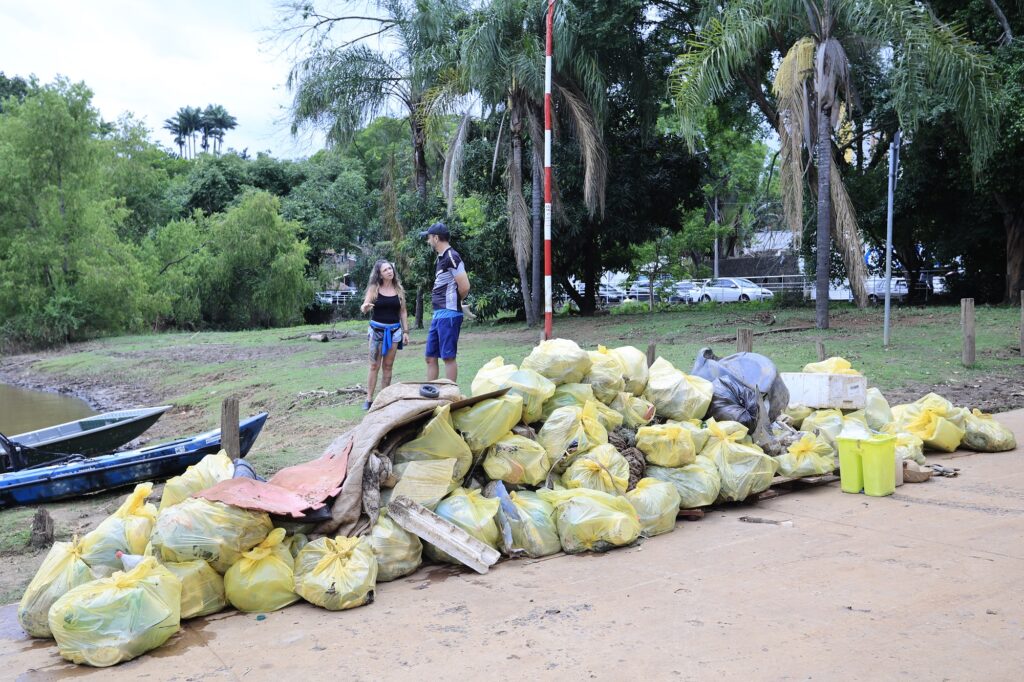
876	289
730	289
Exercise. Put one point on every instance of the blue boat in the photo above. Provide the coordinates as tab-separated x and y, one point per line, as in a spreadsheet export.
78	476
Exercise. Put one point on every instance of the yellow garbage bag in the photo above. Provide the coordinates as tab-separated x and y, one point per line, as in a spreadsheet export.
202	588
398	551
657	504
533	388
601	468
517	460
473	513
425	482
809	456
610	419
944	408
535	531
834	365
698	484
490	377
826	423
698	431
568	395
985	434
571	429
605	375
295	543
634	368
483	424
115	619
213	531
438	440
797	414
937	432
744	468
877	411
717	432
560	360
677	395
61	570
127	530
908	446
336	574
264	578
591	520
666	445
855	425
635	411
208	472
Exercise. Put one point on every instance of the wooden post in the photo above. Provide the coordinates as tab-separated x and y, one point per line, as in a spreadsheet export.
819	346
229	428
1022	323
967	324
744	340
652	353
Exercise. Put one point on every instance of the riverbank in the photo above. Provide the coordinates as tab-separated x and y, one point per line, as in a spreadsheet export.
313	391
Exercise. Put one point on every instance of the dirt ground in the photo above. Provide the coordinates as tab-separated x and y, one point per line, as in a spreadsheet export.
924	584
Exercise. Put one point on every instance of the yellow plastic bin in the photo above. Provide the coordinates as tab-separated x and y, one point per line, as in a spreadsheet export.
851	470
873	460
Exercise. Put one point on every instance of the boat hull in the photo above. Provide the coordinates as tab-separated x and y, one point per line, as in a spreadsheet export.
95	435
107	472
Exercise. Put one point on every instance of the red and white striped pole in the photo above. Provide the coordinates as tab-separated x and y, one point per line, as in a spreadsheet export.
547	170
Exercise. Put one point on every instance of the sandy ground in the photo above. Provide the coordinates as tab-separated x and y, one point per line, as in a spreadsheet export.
924	584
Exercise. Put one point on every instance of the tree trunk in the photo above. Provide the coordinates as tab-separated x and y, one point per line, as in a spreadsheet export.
591	266
419	307
515	193
419	155
538	238
824	163
1013	221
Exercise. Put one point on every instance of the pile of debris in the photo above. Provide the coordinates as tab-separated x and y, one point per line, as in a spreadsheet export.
569	451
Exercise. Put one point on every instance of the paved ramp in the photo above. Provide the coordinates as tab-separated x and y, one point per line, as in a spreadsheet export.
925	584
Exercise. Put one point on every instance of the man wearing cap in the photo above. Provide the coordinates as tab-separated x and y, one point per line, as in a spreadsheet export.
450	288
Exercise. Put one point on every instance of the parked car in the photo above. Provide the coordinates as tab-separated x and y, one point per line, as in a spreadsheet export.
641	288
333	298
876	289
684	292
606	293
730	289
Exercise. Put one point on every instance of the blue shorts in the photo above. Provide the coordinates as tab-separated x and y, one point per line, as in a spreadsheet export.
443	337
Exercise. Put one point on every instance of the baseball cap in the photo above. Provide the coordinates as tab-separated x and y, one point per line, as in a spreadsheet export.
439	229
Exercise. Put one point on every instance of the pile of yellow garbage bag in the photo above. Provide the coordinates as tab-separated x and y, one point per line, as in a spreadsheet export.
587	450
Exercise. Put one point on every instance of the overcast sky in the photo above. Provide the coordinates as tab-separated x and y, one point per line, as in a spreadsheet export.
151	57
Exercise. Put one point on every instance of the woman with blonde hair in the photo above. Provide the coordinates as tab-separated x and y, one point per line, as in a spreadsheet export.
385	301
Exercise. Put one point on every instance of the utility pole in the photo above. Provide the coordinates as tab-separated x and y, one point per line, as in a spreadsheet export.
547	168
894	161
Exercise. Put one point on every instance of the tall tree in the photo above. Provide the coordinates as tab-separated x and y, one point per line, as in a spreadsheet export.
931	62
503	61
340	86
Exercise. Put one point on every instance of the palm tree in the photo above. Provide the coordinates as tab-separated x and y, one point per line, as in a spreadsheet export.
173	126
216	121
189	120
503	60
931	62
339	88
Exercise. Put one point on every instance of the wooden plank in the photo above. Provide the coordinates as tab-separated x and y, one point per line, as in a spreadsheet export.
229	427
1022	323
691	514
652	353
819	347
967	325
744	340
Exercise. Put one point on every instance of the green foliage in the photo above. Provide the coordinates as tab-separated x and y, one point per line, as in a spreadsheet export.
332	204
255	274
63	271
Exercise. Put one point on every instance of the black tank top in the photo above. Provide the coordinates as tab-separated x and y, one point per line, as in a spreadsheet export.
387	309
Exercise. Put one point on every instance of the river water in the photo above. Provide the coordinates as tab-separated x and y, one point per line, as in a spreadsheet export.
23	410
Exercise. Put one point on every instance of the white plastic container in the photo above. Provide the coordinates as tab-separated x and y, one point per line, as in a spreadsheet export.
842	391
899	471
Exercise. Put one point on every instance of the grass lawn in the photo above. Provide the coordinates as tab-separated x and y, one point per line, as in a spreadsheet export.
297	381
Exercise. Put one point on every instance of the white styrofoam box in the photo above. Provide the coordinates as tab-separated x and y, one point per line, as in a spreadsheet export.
843	391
